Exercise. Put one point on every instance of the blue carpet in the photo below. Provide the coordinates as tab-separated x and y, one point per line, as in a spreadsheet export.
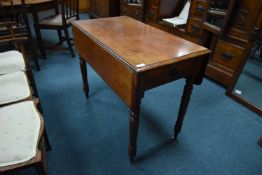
90	136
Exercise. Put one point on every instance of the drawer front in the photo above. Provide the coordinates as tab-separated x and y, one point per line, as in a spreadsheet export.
198	8
166	74
102	8
227	54
135	13
123	9
151	13
132	11
194	27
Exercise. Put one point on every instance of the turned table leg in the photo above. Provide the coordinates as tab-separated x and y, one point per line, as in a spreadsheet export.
133	130
84	76
260	141
183	106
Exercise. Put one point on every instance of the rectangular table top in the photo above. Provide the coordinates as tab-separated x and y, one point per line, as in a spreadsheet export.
138	45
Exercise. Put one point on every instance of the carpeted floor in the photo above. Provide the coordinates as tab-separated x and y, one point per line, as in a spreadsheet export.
90	136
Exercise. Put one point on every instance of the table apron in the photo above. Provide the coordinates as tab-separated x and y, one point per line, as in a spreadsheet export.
168	73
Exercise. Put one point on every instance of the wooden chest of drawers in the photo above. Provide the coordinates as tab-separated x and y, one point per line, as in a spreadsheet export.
198	9
104	8
228	51
236	42
225	60
133	10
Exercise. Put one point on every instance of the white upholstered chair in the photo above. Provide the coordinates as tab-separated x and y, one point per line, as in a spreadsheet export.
14	88
14	61
21	140
181	19
11	61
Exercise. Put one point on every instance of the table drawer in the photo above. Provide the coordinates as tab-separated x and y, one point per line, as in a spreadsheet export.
198	8
166	74
194	27
227	54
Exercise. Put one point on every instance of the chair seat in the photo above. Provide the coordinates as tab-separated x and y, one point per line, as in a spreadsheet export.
19	133
11	61
55	20
14	87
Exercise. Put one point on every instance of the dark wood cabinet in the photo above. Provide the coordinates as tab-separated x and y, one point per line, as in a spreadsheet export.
236	42
133	8
104	8
229	49
234	37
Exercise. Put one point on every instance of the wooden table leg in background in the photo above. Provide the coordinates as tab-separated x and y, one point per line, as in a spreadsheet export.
84	76
183	106
260	141
133	130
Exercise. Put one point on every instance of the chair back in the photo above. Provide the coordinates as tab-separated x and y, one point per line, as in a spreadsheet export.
13	20
69	10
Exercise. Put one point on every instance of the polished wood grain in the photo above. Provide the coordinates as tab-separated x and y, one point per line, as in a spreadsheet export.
140	43
115	47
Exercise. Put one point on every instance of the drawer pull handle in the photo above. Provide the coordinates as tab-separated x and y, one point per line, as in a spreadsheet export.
226	56
173	71
195	28
200	8
254	33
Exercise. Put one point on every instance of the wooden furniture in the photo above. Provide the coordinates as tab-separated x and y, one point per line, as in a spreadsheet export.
133	8
246	85
22	130
132	65
104	8
217	16
17	82
58	21
156	11
84	5
14	27
260	141
233	45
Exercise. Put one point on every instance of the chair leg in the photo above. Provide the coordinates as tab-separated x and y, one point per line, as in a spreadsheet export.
36	63
70	45
254	51
260	141
48	146
42	166
40	41
32	82
59	32
27	59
